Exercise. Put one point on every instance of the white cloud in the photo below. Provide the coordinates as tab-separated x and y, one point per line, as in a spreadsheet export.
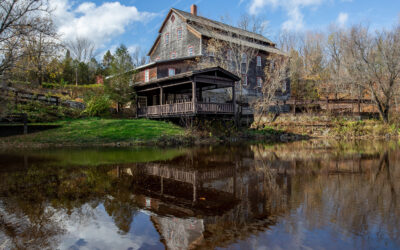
98	23
291	7
342	19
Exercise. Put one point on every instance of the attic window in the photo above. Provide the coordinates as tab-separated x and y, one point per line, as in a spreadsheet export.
166	38
179	33
173	19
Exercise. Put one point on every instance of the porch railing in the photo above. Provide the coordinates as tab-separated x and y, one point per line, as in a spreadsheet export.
185	108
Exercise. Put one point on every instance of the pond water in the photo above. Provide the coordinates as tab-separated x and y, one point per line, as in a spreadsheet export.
315	194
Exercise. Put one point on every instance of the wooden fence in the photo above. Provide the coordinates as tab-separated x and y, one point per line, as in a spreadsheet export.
18	96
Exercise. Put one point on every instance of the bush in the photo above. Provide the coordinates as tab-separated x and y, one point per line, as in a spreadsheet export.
98	106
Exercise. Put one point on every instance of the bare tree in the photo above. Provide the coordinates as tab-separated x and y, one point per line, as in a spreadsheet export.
277	75
232	52
139	57
82	49
18	18
373	63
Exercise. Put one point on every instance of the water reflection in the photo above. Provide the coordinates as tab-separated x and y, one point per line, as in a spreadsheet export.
300	195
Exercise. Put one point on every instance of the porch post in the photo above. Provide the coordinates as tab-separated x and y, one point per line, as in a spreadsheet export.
161	95
194	99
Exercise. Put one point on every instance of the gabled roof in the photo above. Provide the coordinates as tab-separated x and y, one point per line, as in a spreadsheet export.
219	25
204	27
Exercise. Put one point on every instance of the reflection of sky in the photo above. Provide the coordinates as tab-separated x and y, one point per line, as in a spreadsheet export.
100	232
294	231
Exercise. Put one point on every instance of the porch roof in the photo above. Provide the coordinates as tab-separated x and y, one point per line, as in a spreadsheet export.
218	75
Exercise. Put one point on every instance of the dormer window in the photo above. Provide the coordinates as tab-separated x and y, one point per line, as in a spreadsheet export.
166	38
146	75
171	72
258	61
173	55
190	50
179	34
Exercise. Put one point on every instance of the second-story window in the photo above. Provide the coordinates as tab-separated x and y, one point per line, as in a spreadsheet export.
229	55
190	50
171	72
173	55
179	34
166	39
244	80
259	82
244	58
258	61
146	75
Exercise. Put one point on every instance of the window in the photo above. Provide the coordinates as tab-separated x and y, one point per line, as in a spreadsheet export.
211	53
244	58
171	72
190	51
146	75
173	55
179	33
229	55
259	82
173	19
244	79
166	38
158	58
259	61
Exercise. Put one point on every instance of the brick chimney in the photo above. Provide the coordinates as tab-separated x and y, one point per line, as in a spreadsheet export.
193	9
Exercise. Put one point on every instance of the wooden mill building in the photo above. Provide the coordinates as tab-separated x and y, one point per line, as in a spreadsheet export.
182	78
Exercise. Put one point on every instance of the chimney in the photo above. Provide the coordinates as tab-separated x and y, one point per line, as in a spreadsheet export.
193	9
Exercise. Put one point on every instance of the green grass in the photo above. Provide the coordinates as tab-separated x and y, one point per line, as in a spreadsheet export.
102	131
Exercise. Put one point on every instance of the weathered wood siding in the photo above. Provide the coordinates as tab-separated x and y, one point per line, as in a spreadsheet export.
163	51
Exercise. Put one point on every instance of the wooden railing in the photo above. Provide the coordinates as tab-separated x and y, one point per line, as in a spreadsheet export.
225	108
185	108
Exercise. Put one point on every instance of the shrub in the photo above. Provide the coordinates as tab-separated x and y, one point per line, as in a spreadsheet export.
98	106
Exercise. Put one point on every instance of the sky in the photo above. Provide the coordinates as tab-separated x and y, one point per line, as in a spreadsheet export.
135	23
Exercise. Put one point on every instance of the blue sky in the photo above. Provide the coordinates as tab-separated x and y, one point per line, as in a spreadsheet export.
136	22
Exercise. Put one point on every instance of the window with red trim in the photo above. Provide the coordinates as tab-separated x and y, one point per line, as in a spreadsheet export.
172	18
173	55
190	50
166	38
179	33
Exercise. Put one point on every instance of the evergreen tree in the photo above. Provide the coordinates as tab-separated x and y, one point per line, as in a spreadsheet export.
118	86
107	61
68	70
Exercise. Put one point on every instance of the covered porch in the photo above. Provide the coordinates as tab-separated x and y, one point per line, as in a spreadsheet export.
182	94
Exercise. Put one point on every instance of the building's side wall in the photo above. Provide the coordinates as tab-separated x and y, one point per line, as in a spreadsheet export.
180	66
163	51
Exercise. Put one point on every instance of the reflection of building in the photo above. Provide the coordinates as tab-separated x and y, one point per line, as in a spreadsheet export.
194	206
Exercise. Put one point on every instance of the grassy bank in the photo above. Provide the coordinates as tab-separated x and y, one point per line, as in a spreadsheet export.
102	132
332	127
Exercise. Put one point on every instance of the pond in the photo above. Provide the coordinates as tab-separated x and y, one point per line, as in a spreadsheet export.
315	194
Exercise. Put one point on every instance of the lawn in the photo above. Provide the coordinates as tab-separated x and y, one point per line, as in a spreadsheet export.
101	131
